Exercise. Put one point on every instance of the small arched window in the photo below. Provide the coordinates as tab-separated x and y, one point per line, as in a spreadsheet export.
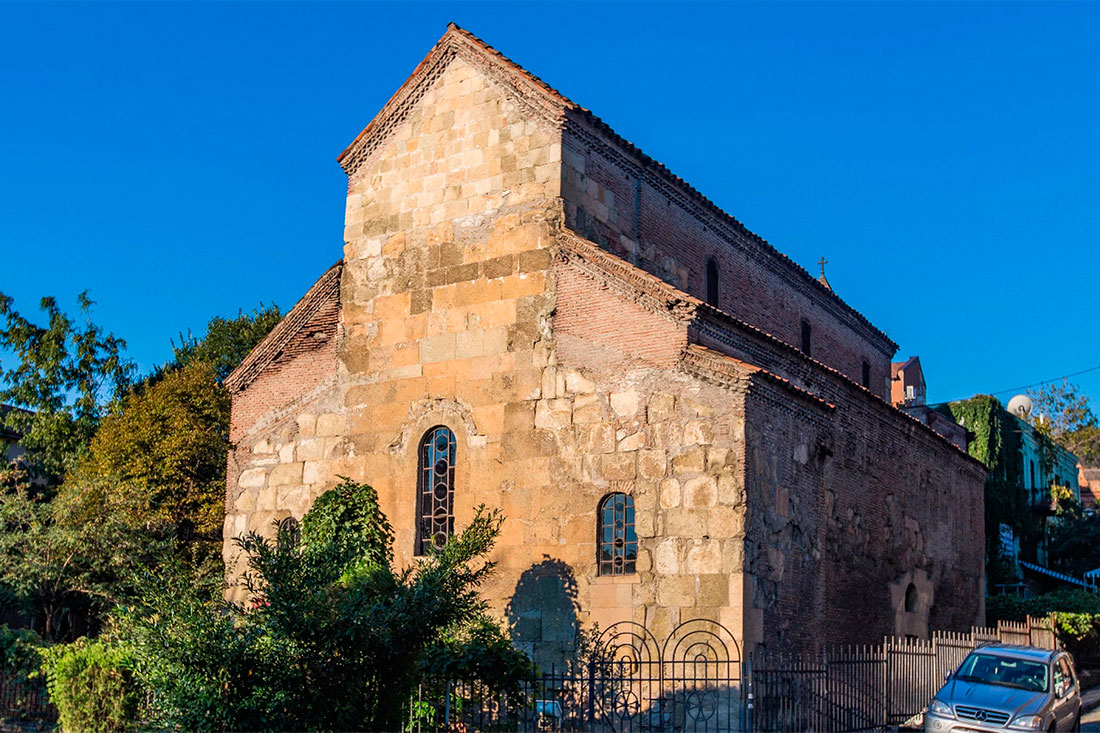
435	490
712	282
618	544
911	599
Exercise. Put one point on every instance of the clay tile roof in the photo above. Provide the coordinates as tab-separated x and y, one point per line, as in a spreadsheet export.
320	293
562	105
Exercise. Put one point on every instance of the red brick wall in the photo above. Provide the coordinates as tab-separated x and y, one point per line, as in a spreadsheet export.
596	320
304	367
846	505
632	210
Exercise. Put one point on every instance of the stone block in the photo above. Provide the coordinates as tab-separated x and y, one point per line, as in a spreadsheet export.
313	472
595	438
438	348
307	425
632	442
286	453
670	493
246	501
661	406
253	477
666	558
294	499
625	404
618	466
677	591
704	558
729	490
587	409
698	432
519	416
651	464
553	414
577	383
687	523
311	449
331	424
701	491
691	460
725	521
285	474
712	591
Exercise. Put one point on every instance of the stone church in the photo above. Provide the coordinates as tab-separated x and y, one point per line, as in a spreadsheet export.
677	421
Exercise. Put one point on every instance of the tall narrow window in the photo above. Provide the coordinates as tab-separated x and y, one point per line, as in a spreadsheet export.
712	282
866	375
617	541
807	335
436	489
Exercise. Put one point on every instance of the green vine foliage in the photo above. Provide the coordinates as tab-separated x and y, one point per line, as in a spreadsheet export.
93	685
996	443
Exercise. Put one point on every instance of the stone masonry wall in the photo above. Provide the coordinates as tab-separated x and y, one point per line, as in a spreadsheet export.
284	424
625	205
847	509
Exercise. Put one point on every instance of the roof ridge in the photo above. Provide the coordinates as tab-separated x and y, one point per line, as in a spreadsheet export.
457	37
272	345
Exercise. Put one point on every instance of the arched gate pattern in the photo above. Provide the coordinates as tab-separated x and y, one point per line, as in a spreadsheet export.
691	682
627	681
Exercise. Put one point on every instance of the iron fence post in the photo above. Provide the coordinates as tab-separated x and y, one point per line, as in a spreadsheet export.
748	713
447	706
591	692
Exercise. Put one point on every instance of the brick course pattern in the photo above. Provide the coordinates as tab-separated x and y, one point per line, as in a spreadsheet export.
505	276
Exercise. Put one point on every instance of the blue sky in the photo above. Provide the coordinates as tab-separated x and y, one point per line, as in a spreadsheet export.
179	160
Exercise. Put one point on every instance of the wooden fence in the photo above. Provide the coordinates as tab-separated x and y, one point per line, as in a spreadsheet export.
855	688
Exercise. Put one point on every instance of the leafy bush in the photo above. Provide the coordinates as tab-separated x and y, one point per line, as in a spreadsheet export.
333	635
19	652
1014	608
92	683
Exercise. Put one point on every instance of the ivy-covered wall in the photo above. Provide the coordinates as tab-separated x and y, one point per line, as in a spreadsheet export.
996	443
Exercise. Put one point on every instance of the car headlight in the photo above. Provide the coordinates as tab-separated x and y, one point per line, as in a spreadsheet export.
939	707
1026	722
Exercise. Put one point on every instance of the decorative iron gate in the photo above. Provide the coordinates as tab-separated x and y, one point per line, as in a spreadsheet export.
690	682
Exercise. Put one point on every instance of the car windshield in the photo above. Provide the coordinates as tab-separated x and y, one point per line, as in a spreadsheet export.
991	669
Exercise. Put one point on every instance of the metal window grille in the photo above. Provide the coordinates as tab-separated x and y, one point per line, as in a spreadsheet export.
436	488
618	541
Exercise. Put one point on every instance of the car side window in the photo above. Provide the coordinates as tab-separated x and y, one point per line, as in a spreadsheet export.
1064	664
1059	676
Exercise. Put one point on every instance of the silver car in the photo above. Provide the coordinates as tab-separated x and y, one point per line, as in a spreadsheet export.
1005	687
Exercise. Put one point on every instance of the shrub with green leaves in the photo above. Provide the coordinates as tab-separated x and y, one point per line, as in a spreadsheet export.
93	685
333	637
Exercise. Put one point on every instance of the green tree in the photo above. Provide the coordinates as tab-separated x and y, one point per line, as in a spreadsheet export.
1062	412
334	635
65	374
159	461
227	340
66	574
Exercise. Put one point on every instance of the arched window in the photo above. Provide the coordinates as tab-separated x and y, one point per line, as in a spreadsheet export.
712	282
435	490
911	599
618	544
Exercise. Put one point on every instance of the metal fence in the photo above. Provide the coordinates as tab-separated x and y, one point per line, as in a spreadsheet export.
691	682
23	699
858	688
695	680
